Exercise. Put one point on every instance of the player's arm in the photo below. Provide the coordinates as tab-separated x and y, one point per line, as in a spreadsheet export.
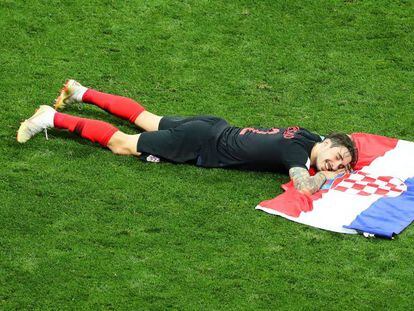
304	182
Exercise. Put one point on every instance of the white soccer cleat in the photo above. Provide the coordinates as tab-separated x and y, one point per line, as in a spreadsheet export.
41	120
71	92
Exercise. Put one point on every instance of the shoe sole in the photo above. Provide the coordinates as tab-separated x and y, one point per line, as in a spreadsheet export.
21	135
63	95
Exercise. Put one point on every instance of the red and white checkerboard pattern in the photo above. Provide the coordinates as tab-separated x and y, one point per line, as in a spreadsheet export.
364	184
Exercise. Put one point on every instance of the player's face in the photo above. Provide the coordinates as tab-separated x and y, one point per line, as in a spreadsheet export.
332	158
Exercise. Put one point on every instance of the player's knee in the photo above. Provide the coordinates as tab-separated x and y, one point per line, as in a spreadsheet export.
119	144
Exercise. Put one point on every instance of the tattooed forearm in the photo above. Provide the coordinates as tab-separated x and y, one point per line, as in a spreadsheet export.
304	182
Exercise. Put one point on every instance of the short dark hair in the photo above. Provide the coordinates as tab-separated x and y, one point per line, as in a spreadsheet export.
343	140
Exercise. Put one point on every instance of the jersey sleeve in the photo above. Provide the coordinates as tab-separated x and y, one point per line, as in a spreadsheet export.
295	155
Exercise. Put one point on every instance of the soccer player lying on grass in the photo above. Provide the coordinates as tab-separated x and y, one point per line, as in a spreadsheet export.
204	141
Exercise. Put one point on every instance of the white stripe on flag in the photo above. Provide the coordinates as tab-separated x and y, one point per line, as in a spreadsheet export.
398	162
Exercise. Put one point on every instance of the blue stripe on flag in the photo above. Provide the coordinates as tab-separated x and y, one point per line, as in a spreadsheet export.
387	215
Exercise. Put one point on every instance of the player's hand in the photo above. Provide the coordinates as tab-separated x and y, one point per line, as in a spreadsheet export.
333	174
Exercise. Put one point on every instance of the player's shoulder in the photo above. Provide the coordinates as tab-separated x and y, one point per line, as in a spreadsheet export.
310	134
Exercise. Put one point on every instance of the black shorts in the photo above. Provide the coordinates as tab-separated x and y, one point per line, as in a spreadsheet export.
181	140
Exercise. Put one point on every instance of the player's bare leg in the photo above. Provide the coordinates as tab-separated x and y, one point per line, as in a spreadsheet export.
148	121
124	144
123	107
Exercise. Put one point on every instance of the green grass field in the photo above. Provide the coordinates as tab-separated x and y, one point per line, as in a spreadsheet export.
83	229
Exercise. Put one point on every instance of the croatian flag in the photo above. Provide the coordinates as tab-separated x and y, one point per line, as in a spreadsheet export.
377	198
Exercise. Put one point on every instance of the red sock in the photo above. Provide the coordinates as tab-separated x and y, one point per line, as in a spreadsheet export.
123	107
94	130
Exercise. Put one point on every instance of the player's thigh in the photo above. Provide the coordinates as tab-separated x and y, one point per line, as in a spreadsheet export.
180	144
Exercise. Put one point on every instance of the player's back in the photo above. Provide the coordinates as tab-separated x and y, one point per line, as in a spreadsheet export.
270	148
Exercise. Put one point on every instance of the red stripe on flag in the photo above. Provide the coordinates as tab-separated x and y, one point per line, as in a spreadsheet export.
290	203
371	147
